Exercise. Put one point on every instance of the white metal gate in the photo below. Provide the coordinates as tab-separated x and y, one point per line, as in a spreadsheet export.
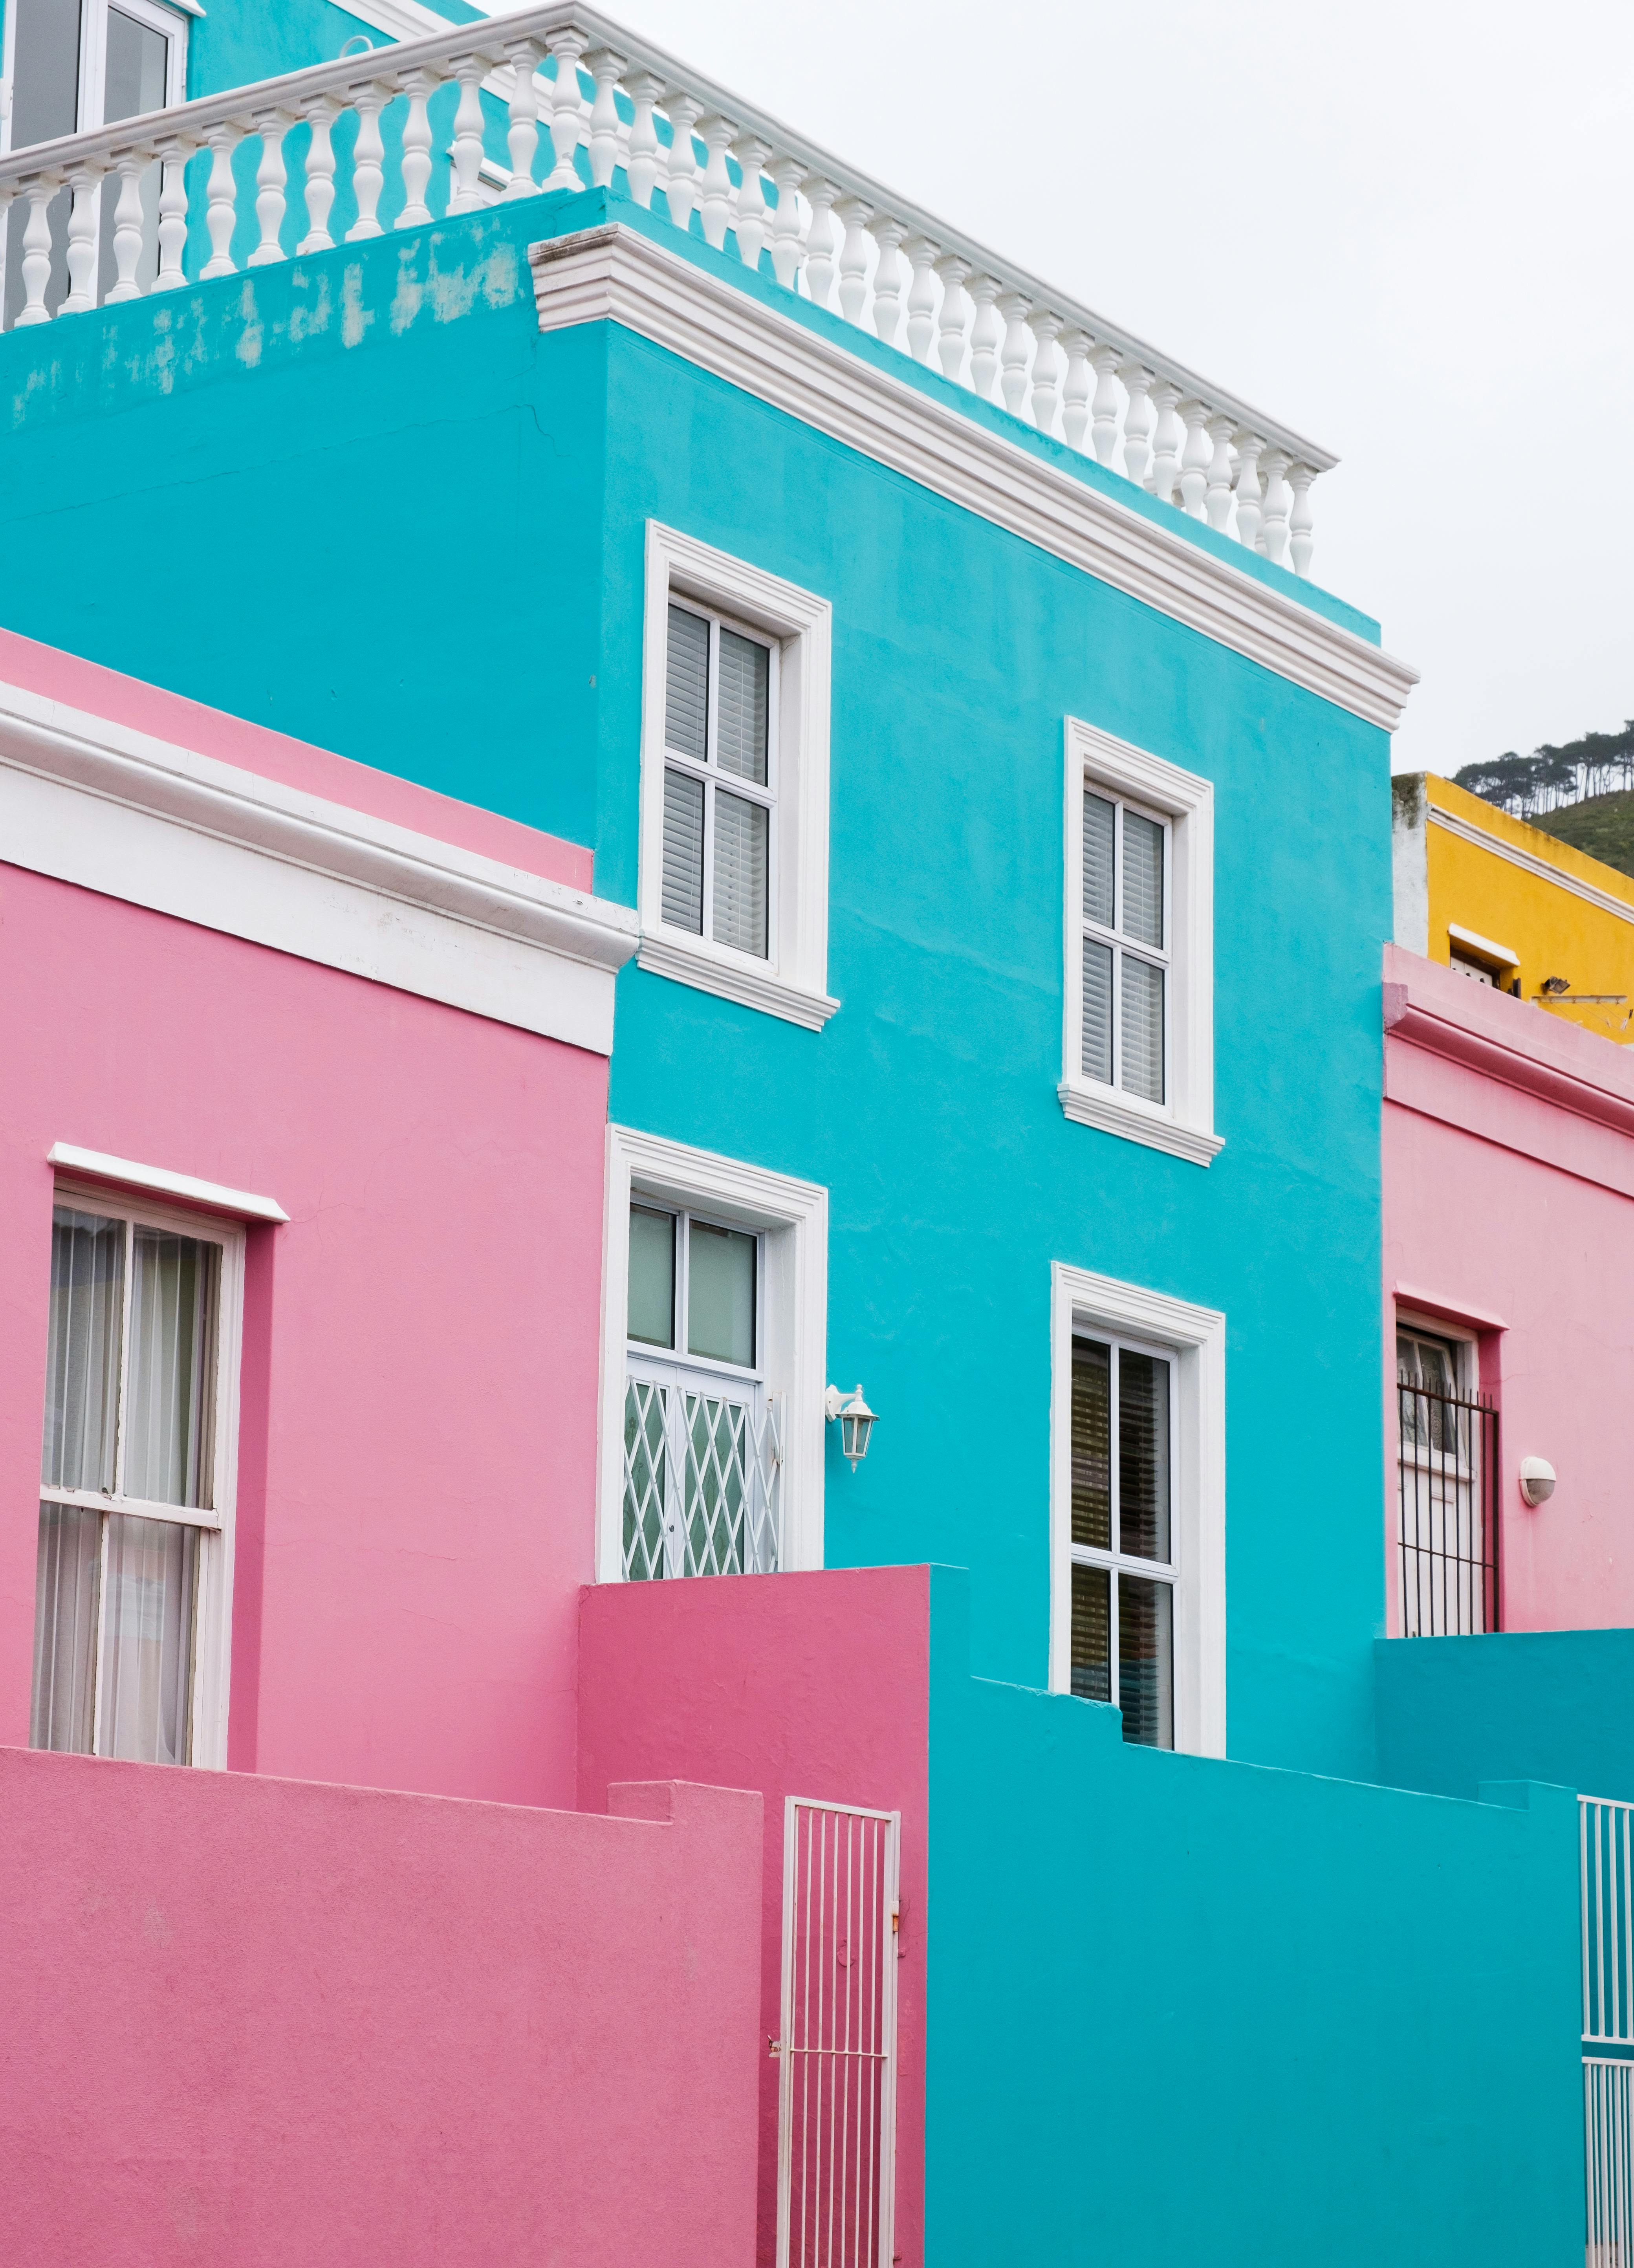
1606	1870
837	2113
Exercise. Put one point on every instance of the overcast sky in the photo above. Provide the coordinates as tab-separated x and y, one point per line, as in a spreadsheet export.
1405	228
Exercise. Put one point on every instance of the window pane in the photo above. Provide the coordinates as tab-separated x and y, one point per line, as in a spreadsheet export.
1099	830
740	722
1097	1053
1092	1443
82	1350
1091	1634
1143	1028
652	1276
720	1293
171	1343
1143	1456
1146	1661
741	835
44	98
65	1629
1143	879
686	685
683	852
136	57
716	1484
646	1478
147	1639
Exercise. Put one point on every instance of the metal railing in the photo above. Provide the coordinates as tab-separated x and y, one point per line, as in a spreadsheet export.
1606	1870
1447	1520
361	140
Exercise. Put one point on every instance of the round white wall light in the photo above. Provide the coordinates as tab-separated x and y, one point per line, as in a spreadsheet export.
1537	1479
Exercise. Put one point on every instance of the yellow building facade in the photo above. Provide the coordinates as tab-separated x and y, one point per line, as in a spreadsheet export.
1508	905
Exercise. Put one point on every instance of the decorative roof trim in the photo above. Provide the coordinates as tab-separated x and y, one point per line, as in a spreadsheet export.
1528	862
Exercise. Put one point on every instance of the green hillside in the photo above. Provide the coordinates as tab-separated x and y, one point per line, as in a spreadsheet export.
1602	824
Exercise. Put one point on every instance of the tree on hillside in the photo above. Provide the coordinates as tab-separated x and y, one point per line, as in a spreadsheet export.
1598	763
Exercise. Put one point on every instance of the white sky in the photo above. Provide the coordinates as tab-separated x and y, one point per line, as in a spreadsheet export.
1405	228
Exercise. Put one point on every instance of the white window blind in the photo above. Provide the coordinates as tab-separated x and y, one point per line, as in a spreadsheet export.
1125	914
717	839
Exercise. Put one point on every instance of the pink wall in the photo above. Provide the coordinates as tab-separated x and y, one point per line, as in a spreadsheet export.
1508	1159
254	2021
814	1685
417	1451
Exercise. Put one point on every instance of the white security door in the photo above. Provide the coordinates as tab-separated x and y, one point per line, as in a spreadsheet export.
836	2126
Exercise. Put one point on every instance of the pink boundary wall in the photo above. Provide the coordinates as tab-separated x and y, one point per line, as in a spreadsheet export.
255	2022
810	1684
1508	1176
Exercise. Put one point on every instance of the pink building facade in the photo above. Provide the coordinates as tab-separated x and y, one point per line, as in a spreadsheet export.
1509	1243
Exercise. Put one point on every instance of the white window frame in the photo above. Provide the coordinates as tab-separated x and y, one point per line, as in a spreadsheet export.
213	1627
1183	1124
791	1219
171	21
1085	1305
793	980
706	772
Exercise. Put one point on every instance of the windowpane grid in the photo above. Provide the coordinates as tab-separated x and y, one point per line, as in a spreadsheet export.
1124	1012
1123	1592
718	844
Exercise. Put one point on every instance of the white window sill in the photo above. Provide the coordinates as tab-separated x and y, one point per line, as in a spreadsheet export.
751	983
1115	1113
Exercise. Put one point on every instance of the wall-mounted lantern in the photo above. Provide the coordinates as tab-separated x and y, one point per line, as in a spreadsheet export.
856	1422
1537	1479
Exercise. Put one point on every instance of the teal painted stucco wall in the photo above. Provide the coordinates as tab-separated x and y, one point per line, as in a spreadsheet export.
362	499
1521	1705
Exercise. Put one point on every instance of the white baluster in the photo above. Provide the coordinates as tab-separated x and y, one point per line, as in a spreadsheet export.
223	206
854	217
1248	493
1046	329
1012	357
1218	498
37	253
751	222
1137	384
1273	540
466	159
1165	441
1103	411
681	173
368	164
715	205
985	334
888	277
1194	463
1075	392
420	85
320	114
921	299
786	248
522	131
567	109
127	228
955	315
1300	521
269	180
7	197
85	182
643	168
606	69
819	195
173	212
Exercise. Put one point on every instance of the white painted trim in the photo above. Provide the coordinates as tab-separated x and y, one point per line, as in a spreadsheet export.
612	274
405	19
1468	832
793	983
111	809
1196	1337
1185	1126
125	1173
1484	946
792	1216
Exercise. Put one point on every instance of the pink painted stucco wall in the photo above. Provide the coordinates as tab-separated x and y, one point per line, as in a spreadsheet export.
255	2022
417	1444
806	1684
1508	1181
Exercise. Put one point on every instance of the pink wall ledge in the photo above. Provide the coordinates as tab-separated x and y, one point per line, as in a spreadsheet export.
1508	1171
813	1685
255	2022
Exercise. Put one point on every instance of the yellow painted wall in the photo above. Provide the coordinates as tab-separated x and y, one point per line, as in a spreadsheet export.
1556	932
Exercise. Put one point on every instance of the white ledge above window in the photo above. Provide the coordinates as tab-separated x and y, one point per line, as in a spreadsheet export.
1089	1105
125	1173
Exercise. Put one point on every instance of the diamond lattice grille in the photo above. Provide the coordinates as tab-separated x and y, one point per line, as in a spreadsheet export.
703	1478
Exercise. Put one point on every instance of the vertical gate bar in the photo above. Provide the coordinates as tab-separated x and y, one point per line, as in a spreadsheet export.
1583	1886
865	2185
1627	2029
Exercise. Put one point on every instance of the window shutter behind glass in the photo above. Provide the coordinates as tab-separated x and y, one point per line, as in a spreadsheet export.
742	843
686	685
1100	824
1143	1456
1092	1443
1146	1661
1092	1633
1143	1028
1097	1050
741	706
1143	879
683	851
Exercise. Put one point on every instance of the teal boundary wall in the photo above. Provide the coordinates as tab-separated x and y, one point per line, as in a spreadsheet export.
1521	1704
1197	2011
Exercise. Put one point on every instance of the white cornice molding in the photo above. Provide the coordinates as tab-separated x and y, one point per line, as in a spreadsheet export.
614	274
751	988
111	809
1529	863
159	1180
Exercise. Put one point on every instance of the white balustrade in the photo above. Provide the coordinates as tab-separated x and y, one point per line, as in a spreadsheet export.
621	116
